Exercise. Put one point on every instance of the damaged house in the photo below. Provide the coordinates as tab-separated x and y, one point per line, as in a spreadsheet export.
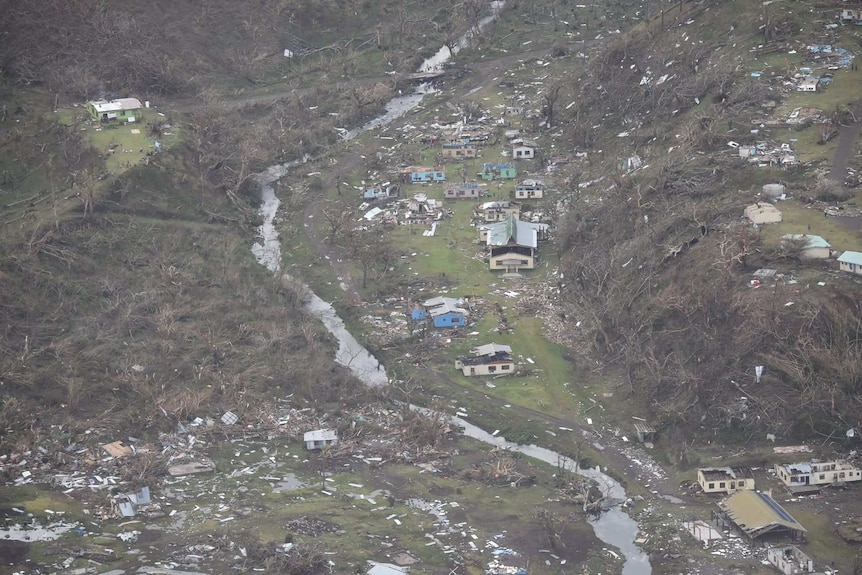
417	175
513	244
421	207
790	560
459	150
499	211
530	190
725	479
443	312
465	191
380	192
497	172
489	359
817	473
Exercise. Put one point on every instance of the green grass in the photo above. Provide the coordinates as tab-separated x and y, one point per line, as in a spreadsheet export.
799	219
823	541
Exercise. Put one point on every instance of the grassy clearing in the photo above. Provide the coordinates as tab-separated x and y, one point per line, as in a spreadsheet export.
801	219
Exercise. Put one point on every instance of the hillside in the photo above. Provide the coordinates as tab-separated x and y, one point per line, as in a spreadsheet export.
134	310
103	259
657	257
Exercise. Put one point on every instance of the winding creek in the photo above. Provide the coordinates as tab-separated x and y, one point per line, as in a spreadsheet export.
614	527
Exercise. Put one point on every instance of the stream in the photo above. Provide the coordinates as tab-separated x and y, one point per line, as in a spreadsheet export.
614	527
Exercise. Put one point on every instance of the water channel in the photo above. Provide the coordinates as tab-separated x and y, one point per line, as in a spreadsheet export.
614	527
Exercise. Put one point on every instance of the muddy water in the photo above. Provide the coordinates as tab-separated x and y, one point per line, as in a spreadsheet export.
614	527
397	107
351	354
267	250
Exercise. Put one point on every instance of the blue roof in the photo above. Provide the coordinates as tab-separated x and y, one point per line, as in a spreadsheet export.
851	258
813	241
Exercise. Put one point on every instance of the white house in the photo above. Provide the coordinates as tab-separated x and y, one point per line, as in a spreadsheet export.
522	152
320	438
817	473
850	262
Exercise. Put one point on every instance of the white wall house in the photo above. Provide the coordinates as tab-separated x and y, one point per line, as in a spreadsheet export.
817	473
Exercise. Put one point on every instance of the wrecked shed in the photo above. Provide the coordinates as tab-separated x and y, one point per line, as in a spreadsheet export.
320	438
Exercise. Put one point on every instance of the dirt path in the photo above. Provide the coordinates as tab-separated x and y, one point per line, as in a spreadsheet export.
846	145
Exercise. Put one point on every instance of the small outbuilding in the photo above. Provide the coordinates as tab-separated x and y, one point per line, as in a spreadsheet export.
320	439
645	432
850	262
763	213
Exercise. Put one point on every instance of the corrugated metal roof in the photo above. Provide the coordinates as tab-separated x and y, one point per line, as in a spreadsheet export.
812	241
436	301
851	258
491	349
446	308
514	230
644	428
117	105
757	513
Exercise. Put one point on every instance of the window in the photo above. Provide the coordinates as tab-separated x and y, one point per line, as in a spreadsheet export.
472	371
504	367
721	485
492	368
822	476
712	486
